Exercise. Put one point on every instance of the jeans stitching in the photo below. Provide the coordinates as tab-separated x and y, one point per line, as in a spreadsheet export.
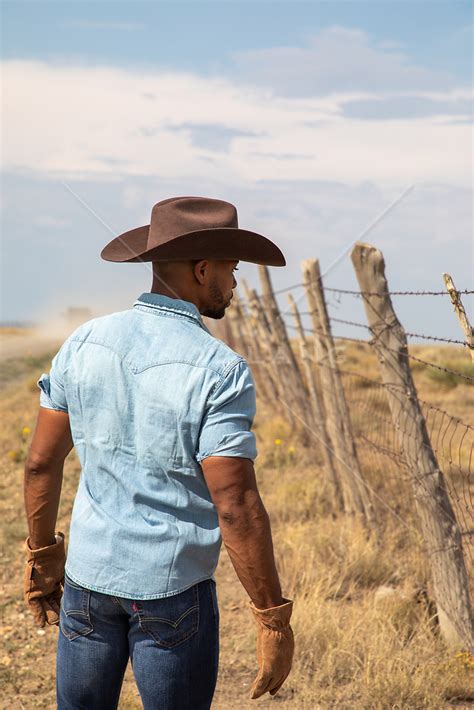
176	623
142	622
83	612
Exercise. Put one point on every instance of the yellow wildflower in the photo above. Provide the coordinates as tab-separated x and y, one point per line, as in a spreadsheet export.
277	442
26	430
291	449
465	659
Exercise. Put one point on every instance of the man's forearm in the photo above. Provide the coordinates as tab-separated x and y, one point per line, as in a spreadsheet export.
246	533
42	490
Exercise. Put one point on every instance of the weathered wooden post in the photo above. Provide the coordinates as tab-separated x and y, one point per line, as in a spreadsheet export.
276	358
262	334
232	330
460	312
297	394
317	407
354	491
438	522
252	349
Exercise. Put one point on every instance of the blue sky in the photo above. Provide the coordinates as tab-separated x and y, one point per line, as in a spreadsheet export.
312	117
203	35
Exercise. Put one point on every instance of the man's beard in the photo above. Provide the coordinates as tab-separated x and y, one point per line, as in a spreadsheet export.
219	304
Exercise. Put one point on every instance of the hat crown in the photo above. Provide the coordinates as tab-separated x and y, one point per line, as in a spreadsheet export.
186	228
183	215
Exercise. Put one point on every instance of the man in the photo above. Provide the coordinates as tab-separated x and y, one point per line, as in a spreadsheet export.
160	413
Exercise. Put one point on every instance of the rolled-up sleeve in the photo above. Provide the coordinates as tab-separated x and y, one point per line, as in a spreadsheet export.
52	393
230	411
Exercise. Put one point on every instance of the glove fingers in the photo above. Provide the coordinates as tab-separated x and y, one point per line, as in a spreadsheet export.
36	609
255	684
55	606
260	686
54	601
51	610
277	687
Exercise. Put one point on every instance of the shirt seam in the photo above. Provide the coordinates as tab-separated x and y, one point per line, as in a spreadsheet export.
157	364
169	312
226	371
158	306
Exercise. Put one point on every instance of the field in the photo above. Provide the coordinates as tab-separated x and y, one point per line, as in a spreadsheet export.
365	636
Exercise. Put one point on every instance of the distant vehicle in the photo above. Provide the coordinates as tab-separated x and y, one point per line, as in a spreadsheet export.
76	315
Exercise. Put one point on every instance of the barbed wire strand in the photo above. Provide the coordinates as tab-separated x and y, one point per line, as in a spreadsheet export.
408	355
419	292
355	324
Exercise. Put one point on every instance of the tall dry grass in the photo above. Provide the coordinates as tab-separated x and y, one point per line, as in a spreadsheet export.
365	625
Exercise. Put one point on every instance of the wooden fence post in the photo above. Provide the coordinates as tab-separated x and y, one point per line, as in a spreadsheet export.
297	393
293	393
251	348
231	330
354	491
438	522
262	334
317	406
460	312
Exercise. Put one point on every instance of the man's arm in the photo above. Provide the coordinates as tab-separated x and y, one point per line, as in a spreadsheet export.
226	450
44	570
245	526
43	473
245	529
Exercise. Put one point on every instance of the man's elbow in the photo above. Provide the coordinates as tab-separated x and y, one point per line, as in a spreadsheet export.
38	464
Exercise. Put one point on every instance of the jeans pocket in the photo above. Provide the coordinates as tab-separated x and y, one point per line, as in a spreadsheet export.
171	620
75	619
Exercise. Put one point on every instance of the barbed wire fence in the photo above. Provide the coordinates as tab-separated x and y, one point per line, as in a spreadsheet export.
389	455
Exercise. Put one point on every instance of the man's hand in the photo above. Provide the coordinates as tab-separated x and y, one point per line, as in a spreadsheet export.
275	646
43	579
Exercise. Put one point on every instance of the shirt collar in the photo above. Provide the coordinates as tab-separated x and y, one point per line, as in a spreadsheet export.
171	305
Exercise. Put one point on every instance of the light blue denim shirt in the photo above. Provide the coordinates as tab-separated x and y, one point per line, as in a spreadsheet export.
150	393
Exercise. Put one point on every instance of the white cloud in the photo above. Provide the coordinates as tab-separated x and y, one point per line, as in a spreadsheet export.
338	59
310	143
76	121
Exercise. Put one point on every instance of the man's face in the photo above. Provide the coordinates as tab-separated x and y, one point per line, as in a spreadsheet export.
220	286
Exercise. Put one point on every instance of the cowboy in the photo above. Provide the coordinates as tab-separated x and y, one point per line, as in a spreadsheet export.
160	414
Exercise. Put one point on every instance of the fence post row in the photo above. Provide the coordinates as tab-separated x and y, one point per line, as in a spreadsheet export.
251	347
296	393
438	522
272	364
317	408
354	492
259	330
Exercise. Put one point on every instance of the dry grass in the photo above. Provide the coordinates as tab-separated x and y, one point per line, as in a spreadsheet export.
365	636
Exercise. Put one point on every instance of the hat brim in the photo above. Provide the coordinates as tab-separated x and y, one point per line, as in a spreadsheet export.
222	243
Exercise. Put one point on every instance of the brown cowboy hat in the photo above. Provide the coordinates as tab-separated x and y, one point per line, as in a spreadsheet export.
184	228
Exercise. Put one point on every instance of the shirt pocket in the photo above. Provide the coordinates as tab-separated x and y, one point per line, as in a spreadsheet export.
171	620
75	619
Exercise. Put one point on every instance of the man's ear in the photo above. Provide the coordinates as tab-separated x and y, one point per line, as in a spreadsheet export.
201	269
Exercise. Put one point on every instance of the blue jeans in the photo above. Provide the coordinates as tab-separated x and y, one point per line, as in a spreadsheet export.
173	645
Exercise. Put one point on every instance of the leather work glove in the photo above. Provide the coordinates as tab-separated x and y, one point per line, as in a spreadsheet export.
275	645
43	579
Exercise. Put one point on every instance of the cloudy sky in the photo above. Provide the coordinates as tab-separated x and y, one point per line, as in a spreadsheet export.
312	117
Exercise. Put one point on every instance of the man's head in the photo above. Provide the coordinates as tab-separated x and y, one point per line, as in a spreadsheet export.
207	283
